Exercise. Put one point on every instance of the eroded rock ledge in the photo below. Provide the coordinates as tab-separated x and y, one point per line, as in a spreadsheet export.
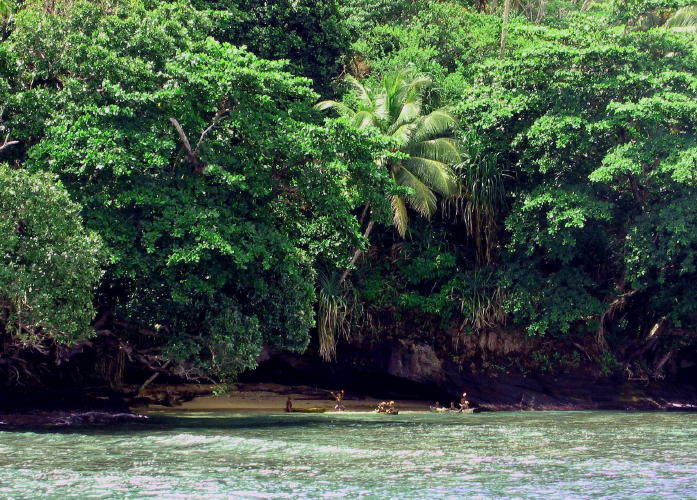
67	419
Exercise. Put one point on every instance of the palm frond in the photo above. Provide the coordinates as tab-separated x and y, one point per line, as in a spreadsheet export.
423	200
364	119
341	108
438	176
383	106
409	112
407	91
684	19
404	133
396	108
395	94
443	149
437	123
392	81
417	84
409	82
400	215
362	93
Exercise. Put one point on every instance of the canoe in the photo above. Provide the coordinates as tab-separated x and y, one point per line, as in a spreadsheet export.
309	410
449	411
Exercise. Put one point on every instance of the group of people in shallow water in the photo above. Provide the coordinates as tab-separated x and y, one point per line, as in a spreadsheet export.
390	407
464	405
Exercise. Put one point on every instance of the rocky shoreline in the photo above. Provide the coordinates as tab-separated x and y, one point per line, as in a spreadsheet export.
59	419
60	407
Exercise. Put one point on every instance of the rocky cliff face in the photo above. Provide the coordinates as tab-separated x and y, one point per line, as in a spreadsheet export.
488	367
415	362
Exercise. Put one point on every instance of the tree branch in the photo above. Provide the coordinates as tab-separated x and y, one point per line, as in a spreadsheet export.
219	115
198	166
7	143
193	154
150	379
356	254
616	307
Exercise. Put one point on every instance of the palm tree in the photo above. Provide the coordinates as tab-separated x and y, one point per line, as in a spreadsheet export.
684	19
396	108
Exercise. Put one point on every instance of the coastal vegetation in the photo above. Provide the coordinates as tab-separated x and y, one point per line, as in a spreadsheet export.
183	184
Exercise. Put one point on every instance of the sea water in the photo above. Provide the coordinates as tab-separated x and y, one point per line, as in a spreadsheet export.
488	455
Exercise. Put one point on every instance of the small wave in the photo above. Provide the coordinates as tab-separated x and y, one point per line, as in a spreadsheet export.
260	445
184	439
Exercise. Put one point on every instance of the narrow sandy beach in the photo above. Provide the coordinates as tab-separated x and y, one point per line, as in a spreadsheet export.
272	398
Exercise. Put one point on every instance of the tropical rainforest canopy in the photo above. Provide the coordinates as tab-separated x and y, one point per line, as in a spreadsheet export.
197	180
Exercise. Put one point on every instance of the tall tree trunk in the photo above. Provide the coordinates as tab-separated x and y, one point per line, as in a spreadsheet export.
541	10
504	25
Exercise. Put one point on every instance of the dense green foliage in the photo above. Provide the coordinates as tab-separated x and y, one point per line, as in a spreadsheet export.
601	150
308	33
49	263
577	186
550	185
213	233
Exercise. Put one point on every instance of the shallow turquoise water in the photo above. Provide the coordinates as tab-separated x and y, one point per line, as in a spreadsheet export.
501	455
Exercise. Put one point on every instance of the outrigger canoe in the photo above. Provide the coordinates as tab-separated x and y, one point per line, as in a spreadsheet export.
447	410
309	410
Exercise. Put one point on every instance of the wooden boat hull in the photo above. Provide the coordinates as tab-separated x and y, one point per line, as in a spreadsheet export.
450	412
309	410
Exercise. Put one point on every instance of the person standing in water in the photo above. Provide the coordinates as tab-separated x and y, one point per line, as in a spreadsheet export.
289	405
464	404
339	397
